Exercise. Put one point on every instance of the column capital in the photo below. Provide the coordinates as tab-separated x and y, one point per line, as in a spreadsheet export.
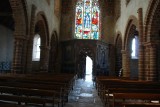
124	51
139	10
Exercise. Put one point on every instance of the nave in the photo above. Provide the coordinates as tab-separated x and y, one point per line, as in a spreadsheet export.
84	94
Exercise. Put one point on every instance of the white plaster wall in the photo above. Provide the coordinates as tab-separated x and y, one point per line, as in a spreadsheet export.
127	11
42	5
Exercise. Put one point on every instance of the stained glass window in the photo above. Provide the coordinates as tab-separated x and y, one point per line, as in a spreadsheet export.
87	19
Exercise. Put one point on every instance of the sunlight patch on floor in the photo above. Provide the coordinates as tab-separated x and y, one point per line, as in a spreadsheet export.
86	95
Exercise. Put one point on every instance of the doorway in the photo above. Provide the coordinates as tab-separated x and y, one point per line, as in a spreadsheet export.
89	68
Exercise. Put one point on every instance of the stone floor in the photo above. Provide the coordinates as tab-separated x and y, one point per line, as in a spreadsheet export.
84	94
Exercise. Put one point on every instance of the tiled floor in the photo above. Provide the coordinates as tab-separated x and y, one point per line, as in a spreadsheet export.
84	94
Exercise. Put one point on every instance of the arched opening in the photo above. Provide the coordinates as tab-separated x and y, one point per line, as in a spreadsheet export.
118	55
85	64
89	68
53	52
41	42
134	53
131	68
151	35
7	27
36	52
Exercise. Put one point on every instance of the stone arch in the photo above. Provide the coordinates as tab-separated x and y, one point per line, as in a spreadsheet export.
118	35
7	27
41	27
53	52
131	21
151	19
131	31
118	54
20	16
151	40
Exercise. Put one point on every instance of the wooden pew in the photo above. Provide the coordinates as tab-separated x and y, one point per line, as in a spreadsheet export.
29	93
141	105
34	89
120	99
57	84
109	96
26	99
106	84
62	90
11	105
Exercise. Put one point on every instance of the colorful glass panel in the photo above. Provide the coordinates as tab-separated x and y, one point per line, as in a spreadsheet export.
87	19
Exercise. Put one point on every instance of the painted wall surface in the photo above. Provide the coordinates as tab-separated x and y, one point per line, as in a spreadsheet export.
130	10
6	44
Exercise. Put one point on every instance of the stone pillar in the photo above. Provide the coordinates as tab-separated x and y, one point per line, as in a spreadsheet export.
24	53
44	58
152	74
125	63
147	61
141	75
30	39
18	54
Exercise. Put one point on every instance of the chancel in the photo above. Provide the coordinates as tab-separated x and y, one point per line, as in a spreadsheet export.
79	53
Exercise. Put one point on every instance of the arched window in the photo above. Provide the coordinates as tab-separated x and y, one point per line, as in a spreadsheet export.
135	48
87	20
36	48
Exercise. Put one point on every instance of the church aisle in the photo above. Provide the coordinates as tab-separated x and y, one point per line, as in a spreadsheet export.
84	94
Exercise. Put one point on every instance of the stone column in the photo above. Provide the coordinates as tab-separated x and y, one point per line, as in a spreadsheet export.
30	39
141	75
24	53
44	58
125	63
18	54
152	74
147	61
